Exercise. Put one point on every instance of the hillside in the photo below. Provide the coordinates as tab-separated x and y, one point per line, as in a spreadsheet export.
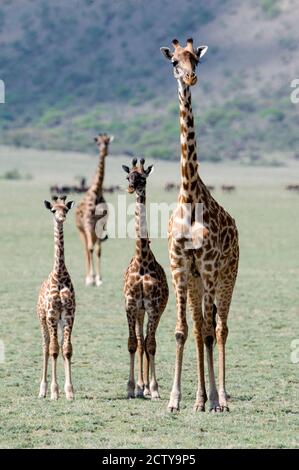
78	67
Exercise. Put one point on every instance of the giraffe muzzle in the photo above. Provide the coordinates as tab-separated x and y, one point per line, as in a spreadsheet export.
190	79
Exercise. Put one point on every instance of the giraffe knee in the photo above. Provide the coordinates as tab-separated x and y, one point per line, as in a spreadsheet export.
141	344
181	335
132	344
54	349
221	333
209	341
67	350
150	346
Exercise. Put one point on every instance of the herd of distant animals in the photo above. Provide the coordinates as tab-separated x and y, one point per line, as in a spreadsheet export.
203	275
79	189
176	187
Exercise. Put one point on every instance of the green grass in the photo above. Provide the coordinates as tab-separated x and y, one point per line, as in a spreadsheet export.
261	379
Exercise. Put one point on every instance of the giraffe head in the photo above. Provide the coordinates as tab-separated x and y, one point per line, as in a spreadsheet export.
103	141
59	207
137	176
184	60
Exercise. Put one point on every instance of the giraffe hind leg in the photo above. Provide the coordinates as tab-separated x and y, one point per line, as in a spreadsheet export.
209	339
66	324
88	281
223	296
98	279
150	348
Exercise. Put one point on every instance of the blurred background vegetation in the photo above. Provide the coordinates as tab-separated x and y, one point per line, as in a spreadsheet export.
75	68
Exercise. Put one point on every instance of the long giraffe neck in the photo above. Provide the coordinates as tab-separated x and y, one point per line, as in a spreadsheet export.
189	164
59	264
97	184
142	241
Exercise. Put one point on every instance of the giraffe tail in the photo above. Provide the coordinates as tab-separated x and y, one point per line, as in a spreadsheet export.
215	321
104	238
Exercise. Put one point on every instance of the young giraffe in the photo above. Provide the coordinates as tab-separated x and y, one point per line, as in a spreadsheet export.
145	290
91	222
56	305
206	273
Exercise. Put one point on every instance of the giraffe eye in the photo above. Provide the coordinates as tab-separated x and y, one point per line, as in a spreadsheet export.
53	210
175	63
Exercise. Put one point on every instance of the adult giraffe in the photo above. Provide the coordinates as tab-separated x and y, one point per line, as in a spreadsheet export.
204	275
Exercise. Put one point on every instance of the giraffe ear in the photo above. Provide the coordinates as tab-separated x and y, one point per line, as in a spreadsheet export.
200	51
166	52
111	139
149	170
70	204
126	168
48	205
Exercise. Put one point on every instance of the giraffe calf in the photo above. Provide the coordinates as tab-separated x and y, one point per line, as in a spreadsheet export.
145	290
56	306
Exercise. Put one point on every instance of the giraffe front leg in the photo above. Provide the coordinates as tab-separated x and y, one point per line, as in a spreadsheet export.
132	347
46	341
53	351
181	333
195	294
90	277
140	350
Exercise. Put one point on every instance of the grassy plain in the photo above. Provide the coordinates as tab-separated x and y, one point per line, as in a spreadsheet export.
262	380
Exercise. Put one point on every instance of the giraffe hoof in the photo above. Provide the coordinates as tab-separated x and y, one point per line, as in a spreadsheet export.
89	281
146	393
225	409
174	404
199	407
54	392
98	281
131	394
155	395
43	390
69	393
216	409
139	392
173	409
